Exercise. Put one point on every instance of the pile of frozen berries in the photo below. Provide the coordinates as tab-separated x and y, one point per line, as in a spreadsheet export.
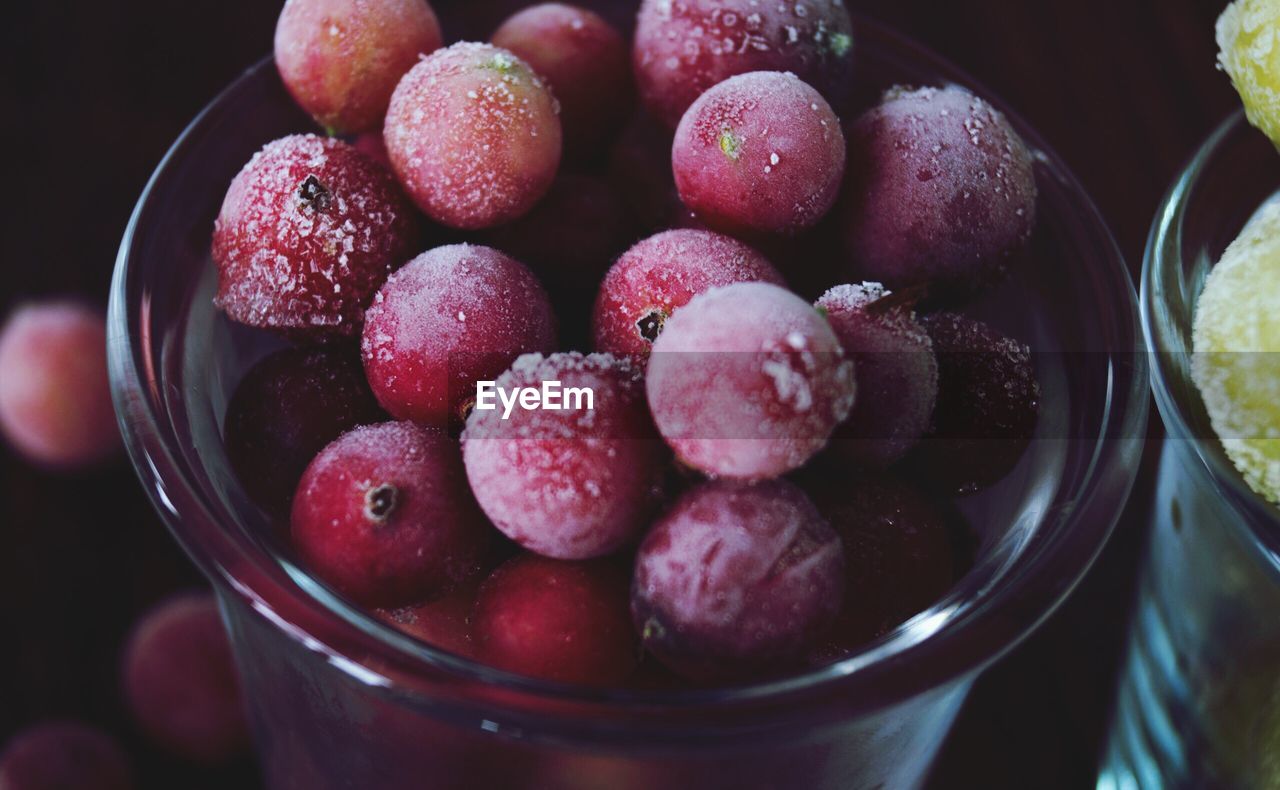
756	481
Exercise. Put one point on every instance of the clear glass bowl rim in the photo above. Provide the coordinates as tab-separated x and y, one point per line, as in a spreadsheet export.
1046	572
1177	403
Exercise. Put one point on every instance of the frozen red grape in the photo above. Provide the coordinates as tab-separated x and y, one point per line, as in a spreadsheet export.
308	231
586	62
736	579
988	405
453	316
474	135
384	515
564	480
658	276
285	410
748	381
899	554
55	401
895	368
683	47
557	620
443	622
761	152
181	683
939	190
341	59
64	755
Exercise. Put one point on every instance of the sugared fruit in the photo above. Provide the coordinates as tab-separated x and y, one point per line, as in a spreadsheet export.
308	231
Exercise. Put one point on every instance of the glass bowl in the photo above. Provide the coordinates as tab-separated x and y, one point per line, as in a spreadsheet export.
1199	699
339	699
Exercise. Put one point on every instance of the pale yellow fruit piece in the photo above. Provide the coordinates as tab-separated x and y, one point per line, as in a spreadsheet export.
1249	51
1236	338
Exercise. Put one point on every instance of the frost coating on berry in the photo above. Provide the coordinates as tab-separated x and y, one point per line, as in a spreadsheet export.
987	408
735	579
384	515
55	400
895	367
658	276
585	61
341	59
570	483
748	381
308	231
474	135
451	317
759	152
939	188
1236	339
683	47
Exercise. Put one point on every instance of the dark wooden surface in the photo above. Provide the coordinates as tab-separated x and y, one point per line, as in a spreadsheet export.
93	93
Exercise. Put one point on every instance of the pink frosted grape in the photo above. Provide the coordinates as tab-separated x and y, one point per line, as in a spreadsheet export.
55	401
64	755
383	514
940	189
895	368
658	276
683	47
748	381
736	579
586	62
988	405
569	483
474	135
308	231
451	317
181	683
341	59
759	152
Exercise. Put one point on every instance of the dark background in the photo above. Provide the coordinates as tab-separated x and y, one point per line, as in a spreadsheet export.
93	93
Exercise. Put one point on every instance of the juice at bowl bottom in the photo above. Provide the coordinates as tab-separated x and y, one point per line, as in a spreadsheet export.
1199	696
338	699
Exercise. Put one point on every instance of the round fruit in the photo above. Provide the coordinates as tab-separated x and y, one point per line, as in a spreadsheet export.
736	579
308	231
658	276
384	515
64	755
474	135
557	620
55	400
341	59
896	371
748	381
759	153
574	479
181	683
453	316
940	190
585	61
987	409
285	410
683	47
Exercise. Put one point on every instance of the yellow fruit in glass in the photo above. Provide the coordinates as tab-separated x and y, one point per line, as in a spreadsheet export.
1249	44
1236	339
